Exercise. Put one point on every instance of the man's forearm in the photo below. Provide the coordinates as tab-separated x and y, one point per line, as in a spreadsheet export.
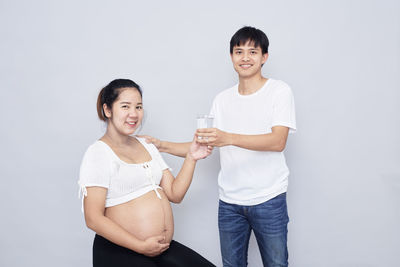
176	149
274	141
262	142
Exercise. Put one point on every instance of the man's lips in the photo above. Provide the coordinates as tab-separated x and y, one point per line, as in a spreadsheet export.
245	66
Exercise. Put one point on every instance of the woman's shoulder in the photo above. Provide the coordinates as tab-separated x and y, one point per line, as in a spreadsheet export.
97	150
149	147
97	146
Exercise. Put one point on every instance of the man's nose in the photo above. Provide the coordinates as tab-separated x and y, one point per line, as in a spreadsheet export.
245	56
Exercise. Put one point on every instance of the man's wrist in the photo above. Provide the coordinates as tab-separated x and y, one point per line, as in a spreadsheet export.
162	148
231	139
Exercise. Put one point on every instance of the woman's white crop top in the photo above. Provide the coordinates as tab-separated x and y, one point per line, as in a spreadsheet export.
125	181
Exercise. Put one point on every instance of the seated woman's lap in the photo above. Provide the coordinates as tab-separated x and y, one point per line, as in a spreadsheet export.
108	254
179	255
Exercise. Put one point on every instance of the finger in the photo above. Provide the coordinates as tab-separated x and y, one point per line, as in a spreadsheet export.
206	135
164	245
204	130
160	238
202	141
164	249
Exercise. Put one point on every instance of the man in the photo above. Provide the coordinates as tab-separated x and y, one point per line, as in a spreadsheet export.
252	121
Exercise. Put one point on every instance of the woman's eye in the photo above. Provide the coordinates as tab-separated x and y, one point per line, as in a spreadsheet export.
139	107
125	106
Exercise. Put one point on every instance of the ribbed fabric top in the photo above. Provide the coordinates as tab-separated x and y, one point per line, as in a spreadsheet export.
125	181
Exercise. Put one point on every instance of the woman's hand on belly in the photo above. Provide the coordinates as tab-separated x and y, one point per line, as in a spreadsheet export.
154	246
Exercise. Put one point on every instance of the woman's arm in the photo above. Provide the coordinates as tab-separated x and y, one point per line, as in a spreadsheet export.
176	188
95	220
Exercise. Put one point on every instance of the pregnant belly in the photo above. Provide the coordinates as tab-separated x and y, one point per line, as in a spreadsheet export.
145	216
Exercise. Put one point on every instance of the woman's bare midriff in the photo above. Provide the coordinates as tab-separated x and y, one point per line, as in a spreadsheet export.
145	216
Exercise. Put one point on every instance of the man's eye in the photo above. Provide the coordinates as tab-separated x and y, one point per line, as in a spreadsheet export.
238	52
139	107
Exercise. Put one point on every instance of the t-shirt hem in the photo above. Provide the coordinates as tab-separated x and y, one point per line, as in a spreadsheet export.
253	201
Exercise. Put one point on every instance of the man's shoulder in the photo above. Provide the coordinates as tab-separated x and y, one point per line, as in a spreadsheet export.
278	86
227	92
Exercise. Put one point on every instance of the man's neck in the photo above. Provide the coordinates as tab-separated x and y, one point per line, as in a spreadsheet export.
248	86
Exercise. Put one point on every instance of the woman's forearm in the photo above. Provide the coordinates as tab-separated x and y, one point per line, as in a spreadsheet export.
183	180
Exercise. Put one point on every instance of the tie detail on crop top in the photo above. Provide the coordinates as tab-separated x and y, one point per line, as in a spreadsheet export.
124	181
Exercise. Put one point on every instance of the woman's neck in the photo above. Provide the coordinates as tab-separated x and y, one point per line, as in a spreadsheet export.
115	138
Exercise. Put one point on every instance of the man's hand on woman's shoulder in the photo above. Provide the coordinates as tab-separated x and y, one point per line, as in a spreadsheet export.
151	140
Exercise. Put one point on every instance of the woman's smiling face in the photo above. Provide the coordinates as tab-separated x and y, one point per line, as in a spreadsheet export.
126	113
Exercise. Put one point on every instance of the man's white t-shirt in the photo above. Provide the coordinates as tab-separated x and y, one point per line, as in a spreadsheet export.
250	177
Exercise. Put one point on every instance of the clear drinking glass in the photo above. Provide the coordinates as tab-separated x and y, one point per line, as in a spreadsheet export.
204	121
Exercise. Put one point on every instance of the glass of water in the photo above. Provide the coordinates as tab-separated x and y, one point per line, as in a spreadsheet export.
204	121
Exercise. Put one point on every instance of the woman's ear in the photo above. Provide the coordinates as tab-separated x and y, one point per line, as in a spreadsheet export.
107	111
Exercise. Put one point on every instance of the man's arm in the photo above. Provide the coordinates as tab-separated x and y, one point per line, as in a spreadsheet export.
274	141
176	149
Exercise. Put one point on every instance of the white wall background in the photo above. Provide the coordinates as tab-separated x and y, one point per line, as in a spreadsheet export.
341	58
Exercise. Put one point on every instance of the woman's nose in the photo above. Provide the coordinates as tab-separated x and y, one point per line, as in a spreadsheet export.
133	113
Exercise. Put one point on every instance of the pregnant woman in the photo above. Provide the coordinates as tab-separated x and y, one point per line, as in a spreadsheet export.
128	187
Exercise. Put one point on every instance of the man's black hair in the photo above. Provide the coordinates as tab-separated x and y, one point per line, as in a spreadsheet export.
252	35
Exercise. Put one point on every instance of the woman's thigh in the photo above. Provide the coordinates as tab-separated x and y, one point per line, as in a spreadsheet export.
108	254
178	255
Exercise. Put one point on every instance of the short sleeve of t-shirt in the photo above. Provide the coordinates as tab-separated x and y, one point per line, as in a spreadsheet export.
212	113
283	113
95	167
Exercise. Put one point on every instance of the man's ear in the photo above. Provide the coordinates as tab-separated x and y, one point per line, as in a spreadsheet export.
265	57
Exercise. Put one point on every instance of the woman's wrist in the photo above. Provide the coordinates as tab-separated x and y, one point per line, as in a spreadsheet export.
190	157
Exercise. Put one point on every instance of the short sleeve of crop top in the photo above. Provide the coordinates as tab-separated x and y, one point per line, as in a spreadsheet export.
96	167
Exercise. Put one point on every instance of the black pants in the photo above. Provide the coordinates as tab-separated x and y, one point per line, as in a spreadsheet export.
108	254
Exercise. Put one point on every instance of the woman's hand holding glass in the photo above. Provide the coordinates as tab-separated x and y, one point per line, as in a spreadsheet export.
199	151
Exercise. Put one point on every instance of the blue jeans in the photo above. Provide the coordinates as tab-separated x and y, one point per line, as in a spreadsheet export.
269	222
